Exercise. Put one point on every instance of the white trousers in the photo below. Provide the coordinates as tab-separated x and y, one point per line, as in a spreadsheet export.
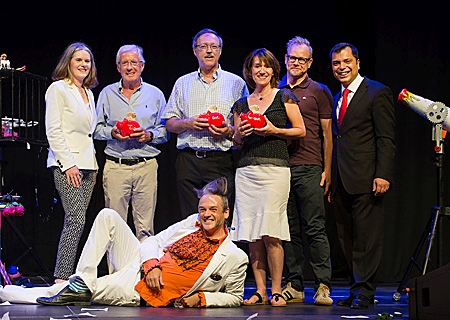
111	235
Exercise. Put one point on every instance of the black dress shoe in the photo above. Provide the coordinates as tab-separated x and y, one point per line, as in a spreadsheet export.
346	302
67	297
360	302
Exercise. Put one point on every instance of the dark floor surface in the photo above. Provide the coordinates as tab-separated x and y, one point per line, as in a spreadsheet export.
384	297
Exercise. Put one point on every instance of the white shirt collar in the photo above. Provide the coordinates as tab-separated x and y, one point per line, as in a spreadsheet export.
354	85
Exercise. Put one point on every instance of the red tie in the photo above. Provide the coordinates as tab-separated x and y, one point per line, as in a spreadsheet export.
343	106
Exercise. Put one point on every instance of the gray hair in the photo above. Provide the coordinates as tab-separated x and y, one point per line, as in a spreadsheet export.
299	41
130	48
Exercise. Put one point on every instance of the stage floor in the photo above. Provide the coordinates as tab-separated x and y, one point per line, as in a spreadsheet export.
385	304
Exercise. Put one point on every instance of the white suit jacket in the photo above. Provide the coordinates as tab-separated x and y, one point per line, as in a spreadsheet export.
69	127
222	282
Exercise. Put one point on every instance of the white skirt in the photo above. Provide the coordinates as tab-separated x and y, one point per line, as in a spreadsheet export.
261	202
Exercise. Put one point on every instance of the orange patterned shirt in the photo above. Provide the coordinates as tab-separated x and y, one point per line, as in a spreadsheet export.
182	264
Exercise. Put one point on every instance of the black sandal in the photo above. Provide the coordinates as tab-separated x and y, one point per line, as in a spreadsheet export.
277	297
260	300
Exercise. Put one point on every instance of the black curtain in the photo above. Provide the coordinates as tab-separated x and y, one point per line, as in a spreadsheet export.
400	45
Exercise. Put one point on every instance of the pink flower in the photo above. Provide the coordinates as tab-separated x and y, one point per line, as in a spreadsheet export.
13	209
20	210
8	210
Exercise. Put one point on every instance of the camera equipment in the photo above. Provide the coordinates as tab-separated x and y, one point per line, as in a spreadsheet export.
438	114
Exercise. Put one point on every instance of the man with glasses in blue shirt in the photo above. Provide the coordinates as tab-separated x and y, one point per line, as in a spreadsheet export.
204	150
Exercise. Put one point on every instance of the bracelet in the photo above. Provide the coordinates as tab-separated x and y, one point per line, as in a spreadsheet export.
156	266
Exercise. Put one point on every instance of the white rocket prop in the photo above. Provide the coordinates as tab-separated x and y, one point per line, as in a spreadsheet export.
436	112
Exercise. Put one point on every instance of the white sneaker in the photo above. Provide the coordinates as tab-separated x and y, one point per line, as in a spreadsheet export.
292	295
322	296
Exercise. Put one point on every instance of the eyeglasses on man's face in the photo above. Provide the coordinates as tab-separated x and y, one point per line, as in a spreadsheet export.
204	46
300	60
132	63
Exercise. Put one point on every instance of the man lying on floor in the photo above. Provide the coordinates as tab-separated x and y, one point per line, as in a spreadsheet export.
192	263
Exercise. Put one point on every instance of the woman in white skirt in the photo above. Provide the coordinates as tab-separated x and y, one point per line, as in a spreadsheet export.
263	176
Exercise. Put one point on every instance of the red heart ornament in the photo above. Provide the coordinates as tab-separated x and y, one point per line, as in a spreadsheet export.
256	120
126	126
214	118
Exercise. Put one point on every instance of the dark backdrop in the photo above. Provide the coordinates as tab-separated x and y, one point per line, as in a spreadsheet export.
400	45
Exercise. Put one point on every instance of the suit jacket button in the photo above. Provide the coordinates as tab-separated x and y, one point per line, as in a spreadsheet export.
89	135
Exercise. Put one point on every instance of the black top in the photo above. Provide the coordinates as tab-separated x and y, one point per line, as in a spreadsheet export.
268	150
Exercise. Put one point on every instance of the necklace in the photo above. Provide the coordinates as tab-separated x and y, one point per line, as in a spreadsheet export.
261	97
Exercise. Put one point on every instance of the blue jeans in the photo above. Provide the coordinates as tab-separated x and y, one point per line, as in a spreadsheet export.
306	213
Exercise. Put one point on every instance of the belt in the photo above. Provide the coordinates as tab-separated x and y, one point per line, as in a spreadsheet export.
128	162
206	154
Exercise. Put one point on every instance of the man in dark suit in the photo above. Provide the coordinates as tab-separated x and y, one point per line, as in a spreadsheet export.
362	170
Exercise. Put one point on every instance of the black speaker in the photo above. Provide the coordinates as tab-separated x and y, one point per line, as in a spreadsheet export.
428	295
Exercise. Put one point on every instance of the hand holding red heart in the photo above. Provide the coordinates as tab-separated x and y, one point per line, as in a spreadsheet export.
255	120
127	126
214	117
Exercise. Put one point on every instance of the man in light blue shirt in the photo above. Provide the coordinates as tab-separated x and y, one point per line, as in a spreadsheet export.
130	172
205	151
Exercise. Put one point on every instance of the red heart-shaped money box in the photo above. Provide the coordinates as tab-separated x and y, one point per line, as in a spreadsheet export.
126	126
256	120
214	118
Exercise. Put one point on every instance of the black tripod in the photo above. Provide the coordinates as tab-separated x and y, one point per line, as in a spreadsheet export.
438	211
8	199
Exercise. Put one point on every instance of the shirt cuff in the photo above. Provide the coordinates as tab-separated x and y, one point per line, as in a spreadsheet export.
149	264
202	298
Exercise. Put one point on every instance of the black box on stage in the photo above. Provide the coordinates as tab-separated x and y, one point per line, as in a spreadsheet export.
428	296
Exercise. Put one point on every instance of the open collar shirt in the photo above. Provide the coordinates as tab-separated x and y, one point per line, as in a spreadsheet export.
147	102
192	95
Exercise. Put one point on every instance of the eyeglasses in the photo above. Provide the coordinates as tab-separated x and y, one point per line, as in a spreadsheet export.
292	59
134	64
204	46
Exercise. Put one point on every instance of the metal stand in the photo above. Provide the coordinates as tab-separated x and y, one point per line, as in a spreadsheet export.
22	117
29	249
438	211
